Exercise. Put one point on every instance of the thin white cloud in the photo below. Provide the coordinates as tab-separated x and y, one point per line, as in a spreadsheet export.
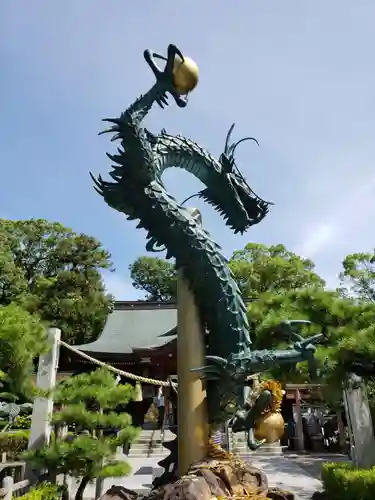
339	207
319	237
344	228
120	287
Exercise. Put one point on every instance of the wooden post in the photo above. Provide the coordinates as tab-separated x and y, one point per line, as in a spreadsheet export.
341	429
99	482
299	442
192	409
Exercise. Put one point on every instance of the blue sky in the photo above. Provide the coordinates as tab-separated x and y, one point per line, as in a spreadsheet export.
299	76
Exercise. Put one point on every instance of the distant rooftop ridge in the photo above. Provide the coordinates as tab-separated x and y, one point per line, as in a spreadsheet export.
154	304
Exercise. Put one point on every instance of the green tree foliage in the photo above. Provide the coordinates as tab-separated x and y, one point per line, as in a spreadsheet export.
260	268
87	406
47	268
257	269
157	277
323	308
358	276
22	339
349	327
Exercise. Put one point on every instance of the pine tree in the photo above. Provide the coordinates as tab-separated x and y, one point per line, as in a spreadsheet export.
22	340
87	406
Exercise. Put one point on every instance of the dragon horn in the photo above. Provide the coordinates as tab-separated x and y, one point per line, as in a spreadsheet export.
226	149
234	146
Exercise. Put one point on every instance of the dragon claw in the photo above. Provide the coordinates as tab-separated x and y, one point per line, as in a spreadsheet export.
215	370
210	377
164	77
252	441
162	99
208	372
174	51
217	360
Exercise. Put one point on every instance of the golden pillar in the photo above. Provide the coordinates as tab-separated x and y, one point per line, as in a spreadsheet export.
192	409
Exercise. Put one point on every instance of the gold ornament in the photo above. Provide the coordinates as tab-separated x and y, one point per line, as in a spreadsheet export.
270	427
185	75
277	394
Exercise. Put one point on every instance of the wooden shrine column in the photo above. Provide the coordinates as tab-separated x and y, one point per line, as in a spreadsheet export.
192	410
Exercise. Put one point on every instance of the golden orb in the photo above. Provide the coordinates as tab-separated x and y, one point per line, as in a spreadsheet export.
271	428
185	75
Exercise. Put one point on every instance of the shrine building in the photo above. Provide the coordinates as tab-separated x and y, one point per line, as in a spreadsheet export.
139	337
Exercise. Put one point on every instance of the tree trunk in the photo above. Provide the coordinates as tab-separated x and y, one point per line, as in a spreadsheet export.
99	483
81	488
65	494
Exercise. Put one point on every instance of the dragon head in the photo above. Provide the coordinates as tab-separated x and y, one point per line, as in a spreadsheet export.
231	195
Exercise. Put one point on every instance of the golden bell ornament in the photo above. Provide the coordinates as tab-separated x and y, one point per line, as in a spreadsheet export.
271	428
185	75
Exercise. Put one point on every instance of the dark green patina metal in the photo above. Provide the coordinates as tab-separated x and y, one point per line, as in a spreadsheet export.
138	191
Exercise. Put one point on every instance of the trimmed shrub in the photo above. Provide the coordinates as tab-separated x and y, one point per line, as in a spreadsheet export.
14	443
22	422
342	481
45	491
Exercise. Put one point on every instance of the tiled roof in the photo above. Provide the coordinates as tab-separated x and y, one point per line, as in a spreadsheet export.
136	325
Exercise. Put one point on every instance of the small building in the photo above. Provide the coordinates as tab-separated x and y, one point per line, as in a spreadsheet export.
138	337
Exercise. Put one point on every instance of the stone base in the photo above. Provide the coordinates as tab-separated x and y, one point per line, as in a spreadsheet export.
223	476
270	448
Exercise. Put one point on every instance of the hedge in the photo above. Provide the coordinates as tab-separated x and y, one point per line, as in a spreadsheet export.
342	481
14	443
45	491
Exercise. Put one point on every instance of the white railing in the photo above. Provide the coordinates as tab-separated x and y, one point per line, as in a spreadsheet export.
9	487
14	481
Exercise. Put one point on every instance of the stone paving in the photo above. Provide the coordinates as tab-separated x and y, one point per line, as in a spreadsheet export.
286	474
294	473
312	463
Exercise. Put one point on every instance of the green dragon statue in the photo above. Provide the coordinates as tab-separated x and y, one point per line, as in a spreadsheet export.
138	191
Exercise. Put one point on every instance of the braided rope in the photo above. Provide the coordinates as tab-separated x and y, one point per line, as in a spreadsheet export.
132	376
